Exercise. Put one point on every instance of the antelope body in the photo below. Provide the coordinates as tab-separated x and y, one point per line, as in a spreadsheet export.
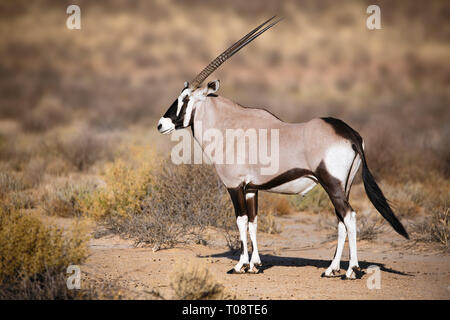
324	150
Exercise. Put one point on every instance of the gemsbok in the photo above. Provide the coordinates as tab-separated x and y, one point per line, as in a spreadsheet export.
322	150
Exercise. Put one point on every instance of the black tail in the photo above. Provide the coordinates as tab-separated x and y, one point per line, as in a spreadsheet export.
377	197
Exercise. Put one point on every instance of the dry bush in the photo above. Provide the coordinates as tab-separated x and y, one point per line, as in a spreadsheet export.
47	285
34	256
435	228
83	148
367	228
193	281
177	206
51	284
126	186
28	247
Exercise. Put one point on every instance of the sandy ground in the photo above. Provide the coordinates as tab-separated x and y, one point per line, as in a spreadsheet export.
293	262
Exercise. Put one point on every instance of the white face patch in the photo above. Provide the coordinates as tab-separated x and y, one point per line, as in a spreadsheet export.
186	92
188	114
194	97
166	124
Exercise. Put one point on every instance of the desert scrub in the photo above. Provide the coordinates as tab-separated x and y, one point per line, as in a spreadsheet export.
10	183
82	147
14	193
368	228
179	204
29	247
193	281
67	200
126	184
51	284
435	228
274	204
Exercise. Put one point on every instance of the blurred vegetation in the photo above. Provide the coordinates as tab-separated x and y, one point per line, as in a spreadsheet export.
78	111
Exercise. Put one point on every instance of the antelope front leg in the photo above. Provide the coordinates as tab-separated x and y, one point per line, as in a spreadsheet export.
255	261
251	198
242	222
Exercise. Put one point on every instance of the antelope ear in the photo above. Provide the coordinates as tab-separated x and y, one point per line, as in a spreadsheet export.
212	87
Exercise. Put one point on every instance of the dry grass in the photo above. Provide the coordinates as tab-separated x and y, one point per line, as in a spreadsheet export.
193	281
270	203
67	199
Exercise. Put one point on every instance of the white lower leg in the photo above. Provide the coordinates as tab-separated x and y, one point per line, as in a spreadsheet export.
252	228
350	223
242	223
336	263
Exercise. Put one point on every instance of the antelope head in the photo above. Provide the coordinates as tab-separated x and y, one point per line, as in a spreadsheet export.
179	114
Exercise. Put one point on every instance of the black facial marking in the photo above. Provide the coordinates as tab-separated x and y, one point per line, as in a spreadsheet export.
171	113
179	121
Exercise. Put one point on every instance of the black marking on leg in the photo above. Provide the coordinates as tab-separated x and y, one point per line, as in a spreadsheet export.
335	191
283	178
238	198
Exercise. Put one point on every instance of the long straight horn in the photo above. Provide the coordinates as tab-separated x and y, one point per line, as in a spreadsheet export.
249	37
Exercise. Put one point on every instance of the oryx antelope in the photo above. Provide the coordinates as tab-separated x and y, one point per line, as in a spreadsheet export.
323	150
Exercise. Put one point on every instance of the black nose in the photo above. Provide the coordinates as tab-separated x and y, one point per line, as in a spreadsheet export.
159	126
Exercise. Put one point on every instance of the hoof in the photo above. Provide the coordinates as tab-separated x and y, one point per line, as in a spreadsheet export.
356	273
352	276
333	274
241	271
253	270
